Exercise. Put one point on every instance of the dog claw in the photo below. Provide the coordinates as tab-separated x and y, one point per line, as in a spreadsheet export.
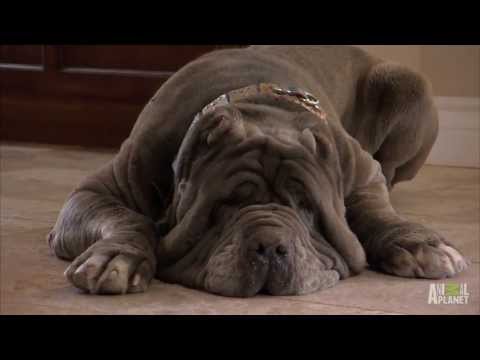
113	274
136	280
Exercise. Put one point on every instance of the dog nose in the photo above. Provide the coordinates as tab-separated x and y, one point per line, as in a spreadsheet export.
266	250
268	247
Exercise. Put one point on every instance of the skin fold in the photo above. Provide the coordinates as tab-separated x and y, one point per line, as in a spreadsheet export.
264	196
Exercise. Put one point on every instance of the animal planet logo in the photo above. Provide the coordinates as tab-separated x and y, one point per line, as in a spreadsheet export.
448	294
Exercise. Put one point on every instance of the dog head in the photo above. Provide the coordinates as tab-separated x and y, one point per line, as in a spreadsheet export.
258	205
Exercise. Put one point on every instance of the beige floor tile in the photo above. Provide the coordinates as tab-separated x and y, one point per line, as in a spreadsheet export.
372	290
446	199
445	193
19	157
36	179
33	210
32	283
163	300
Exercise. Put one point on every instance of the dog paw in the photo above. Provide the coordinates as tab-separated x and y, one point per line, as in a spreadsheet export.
110	269
421	253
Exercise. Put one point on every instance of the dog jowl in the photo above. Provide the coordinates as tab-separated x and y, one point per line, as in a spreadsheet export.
279	186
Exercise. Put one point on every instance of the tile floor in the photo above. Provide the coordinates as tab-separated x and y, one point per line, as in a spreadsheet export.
35	179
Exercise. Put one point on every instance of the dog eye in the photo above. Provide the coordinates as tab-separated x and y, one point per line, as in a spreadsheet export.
294	187
304	203
299	194
219	213
244	191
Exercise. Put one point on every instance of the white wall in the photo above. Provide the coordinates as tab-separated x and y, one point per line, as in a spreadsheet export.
454	72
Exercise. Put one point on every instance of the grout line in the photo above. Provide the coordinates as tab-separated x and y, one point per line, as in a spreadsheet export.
343	306
451	167
16	217
70	309
438	218
74	310
43	222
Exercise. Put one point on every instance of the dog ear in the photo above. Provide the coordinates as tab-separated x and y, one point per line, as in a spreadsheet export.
322	140
315	135
317	143
224	124
308	140
337	232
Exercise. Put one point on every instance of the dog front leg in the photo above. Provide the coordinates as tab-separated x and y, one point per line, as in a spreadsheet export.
112	247
395	245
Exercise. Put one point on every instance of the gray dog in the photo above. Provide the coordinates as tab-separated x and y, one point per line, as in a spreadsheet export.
264	169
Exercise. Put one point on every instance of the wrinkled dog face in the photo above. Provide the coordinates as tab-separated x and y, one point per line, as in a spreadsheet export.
257	208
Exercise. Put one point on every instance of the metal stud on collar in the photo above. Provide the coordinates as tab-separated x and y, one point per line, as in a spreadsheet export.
302	95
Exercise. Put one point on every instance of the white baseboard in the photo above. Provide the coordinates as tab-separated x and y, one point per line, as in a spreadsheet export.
458	142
